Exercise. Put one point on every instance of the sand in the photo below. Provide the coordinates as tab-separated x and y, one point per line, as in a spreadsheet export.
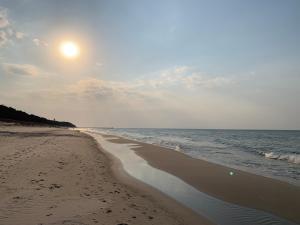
59	176
242	188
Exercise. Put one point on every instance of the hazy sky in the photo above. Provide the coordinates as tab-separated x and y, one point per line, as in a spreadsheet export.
158	63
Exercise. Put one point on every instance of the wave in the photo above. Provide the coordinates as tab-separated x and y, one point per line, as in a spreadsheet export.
178	148
292	158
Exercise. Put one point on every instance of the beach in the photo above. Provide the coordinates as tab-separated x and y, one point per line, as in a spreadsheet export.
61	176
65	176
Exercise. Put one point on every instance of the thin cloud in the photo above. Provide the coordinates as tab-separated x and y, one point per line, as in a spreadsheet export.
20	69
184	77
154	88
3	38
3	18
101	88
7	32
39	42
19	35
199	80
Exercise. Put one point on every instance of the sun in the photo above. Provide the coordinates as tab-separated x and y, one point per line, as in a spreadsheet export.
69	49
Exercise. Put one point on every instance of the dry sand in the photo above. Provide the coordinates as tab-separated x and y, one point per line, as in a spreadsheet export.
246	189
59	176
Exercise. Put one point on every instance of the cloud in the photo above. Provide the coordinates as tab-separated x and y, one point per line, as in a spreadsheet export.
162	99
39	42
182	77
20	69
7	32
185	77
93	87
3	38
180	69
157	89
19	35
3	18
197	80
97	88
151	101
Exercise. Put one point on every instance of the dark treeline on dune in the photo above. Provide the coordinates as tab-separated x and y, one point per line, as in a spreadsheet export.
9	114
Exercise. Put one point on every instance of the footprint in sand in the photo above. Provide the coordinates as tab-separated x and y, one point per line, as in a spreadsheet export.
54	186
95	221
108	211
53	206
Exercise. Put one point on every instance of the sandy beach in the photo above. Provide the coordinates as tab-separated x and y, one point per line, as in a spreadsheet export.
242	188
60	176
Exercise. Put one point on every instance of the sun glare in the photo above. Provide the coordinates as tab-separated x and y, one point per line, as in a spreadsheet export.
69	49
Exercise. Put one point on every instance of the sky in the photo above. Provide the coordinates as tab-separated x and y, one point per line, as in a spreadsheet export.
161	63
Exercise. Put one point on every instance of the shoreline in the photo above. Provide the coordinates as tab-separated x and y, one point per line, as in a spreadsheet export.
59	176
243	188
187	215
243	169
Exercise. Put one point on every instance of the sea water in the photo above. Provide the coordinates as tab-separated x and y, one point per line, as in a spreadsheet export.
270	153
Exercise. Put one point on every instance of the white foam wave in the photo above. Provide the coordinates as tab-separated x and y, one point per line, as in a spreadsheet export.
177	148
292	158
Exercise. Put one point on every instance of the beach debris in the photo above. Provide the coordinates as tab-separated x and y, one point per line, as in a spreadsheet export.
231	173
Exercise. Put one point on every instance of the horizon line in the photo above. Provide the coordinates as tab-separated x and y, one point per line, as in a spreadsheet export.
246	129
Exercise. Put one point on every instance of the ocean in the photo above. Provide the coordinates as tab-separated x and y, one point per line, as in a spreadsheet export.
271	153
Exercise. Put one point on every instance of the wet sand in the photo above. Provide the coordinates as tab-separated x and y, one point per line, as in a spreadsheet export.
59	176
242	188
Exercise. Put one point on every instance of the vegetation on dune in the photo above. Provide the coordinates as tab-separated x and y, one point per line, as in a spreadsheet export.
9	114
